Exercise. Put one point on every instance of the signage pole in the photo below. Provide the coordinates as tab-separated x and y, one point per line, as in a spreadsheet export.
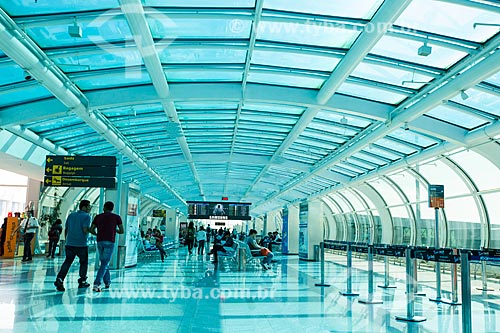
484	277
454	284
438	264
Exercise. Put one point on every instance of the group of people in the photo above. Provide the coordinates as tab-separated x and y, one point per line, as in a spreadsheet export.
78	225
223	241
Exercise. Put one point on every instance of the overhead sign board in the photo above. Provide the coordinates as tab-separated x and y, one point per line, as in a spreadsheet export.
106	182
159	213
76	171
80	171
436	196
80	160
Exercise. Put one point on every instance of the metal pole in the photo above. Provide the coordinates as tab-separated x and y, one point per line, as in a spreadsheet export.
466	293
386	284
454	285
415	277
438	264
410	296
484	277
370	299
322	284
349	274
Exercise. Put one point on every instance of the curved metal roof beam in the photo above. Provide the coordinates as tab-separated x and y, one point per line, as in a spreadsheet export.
386	15
136	18
19	47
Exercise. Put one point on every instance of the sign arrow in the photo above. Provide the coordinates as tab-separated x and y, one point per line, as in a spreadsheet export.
48	181
48	169
49	159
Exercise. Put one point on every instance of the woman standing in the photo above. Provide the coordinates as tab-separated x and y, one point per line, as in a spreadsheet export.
191	231
159	245
201	236
54	235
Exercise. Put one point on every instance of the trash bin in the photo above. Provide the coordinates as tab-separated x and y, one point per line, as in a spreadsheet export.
242	259
316	252
62	247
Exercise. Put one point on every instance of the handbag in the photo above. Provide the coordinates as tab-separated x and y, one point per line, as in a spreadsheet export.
264	251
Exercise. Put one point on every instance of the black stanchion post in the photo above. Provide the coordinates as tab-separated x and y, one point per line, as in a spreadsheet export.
370	299
349	274
322	284
410	296
466	293
386	284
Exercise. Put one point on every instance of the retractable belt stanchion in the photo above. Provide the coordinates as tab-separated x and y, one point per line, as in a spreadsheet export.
410	296
322	284
349	292
484	277
454	284
386	284
415	291
370	299
466	293
438	264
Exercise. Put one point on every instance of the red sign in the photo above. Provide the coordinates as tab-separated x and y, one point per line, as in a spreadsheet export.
225	198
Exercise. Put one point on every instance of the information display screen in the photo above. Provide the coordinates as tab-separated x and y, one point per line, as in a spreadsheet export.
219	210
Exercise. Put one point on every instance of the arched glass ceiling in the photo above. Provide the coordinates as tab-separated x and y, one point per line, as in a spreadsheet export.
267	101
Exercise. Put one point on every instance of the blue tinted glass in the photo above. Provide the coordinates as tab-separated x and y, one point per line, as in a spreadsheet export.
344	8
205	75
166	28
285	80
24	95
287	58
126	78
28	7
456	117
414	138
192	55
371	93
480	100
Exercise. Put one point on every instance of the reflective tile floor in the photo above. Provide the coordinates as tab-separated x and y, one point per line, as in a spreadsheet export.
186	294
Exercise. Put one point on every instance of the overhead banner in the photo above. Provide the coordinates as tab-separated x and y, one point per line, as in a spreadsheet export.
284	235
219	210
132	232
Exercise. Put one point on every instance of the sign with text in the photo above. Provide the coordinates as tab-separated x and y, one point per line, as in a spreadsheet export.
9	247
159	213
436	196
80	171
219	210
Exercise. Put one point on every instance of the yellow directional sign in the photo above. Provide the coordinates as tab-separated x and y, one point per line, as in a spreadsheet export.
56	180
107	182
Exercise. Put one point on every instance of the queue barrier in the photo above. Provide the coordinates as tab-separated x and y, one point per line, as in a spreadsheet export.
440	255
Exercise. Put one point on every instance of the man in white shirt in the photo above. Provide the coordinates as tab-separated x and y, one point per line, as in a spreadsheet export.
30	226
201	237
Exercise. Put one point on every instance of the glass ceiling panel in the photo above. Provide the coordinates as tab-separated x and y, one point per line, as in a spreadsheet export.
320	135
371	93
305	34
200	3
10	73
287	58
101	30
481	100
48	125
25	8
414	138
204	75
397	77
387	143
286	109
456	117
401	48
495	79
193	55
110	80
360	164
383	153
283	79
108	58
332	128
449	19
344	8
209	105
337	117
24	95
165	28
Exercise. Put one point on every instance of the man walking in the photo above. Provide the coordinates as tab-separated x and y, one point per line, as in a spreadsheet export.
106	224
76	231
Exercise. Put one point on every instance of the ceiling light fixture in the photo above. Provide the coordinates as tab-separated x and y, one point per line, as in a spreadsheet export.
463	95
75	30
344	120
27	76
425	49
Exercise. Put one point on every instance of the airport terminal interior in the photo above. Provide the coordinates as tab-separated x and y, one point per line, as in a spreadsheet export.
359	138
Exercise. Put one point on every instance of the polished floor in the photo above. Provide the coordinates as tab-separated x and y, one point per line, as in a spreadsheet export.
186	294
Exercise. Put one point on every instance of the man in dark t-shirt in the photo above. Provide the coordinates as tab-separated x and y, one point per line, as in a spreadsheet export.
106	225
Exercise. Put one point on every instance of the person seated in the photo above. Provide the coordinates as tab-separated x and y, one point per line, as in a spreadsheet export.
225	245
258	250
